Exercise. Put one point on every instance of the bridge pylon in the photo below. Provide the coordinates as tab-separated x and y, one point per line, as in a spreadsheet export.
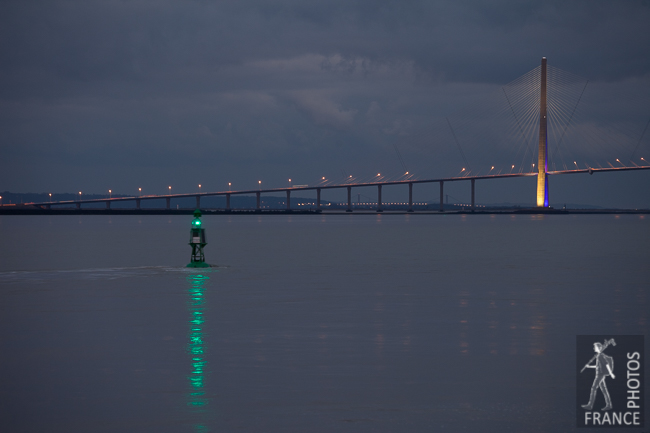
542	159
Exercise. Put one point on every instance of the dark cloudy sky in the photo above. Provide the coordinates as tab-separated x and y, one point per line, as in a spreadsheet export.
126	94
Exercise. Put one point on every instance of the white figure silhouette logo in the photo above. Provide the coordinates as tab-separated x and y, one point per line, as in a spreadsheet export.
604	366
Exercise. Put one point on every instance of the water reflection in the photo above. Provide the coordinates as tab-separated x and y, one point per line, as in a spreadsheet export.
464	317
493	316
538	321
196	398
641	299
515	320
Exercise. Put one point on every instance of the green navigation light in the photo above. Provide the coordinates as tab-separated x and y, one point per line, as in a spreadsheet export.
197	242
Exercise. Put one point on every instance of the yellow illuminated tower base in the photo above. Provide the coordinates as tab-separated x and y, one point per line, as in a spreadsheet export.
542	160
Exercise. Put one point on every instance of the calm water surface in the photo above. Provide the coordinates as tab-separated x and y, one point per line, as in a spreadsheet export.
353	323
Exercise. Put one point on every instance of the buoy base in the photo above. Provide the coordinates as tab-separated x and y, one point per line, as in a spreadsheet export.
198	265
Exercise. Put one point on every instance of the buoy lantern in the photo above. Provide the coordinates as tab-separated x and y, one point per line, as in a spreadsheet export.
197	242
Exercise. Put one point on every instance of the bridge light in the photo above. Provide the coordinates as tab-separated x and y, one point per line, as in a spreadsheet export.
170	189
378	174
463	169
323	177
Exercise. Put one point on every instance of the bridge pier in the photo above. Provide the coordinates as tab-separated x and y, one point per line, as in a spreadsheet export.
317	199
410	197
349	199
473	189
78	205
108	205
168	200
442	203
288	199
137	204
379	209
198	202
227	202
258	208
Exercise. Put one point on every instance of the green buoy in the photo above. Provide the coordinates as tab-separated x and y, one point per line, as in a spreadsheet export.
197	242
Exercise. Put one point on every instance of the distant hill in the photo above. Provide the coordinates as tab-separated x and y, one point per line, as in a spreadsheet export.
18	198
248	202
217	202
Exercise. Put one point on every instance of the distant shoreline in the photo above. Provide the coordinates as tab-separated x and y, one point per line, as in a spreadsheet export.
26	210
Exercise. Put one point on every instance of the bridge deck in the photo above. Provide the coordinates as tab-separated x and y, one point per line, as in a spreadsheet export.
333	186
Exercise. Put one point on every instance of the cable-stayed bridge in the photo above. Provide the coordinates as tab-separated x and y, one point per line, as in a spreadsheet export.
539	122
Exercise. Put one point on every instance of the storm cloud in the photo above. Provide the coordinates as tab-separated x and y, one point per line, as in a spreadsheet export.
127	94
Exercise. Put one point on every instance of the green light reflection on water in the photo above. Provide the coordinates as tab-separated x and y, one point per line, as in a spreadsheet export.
196	347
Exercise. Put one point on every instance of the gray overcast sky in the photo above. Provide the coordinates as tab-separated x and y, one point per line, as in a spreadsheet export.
126	94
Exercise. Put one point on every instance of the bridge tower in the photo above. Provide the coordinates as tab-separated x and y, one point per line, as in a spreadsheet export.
542	160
